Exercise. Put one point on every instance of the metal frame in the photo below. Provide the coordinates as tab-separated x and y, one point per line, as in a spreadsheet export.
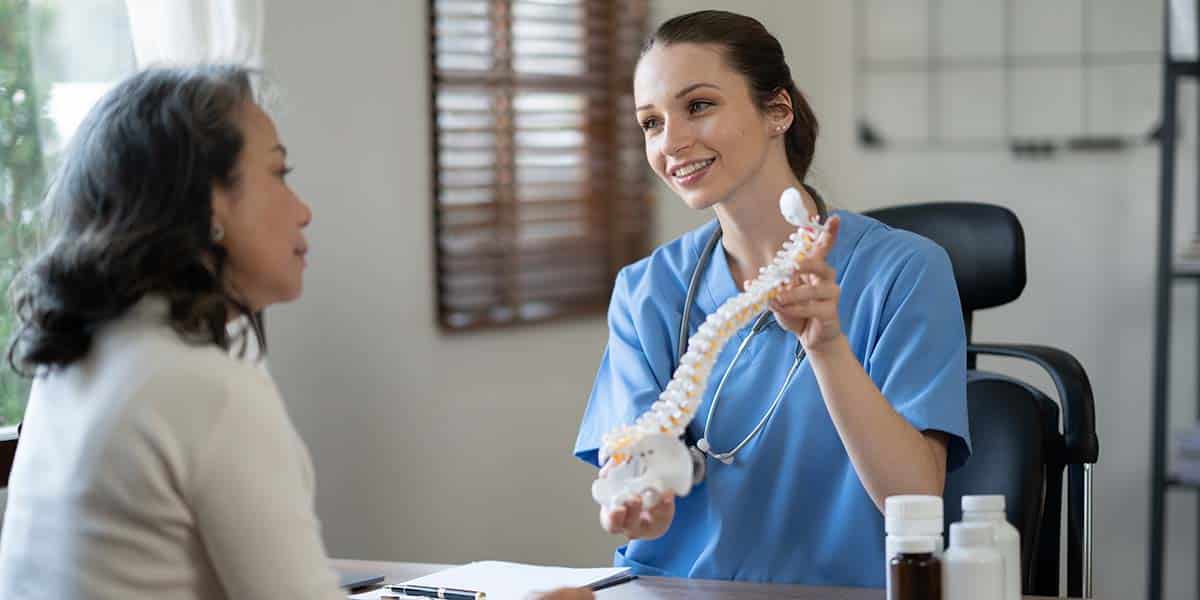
1079	458
1087	531
1165	275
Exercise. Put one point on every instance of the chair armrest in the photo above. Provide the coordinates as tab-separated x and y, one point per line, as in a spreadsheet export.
1074	392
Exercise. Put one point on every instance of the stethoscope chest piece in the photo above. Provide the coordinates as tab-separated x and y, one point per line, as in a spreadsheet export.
699	468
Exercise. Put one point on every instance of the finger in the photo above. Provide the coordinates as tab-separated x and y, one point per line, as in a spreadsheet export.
805	294
797	314
829	238
813	265
611	520
790	323
664	509
565	594
807	299
633	514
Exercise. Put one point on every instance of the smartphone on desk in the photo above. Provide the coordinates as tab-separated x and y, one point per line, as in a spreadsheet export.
356	581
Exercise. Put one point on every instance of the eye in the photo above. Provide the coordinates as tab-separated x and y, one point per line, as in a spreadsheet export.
698	106
649	123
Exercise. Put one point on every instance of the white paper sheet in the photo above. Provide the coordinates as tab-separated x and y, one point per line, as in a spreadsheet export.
508	581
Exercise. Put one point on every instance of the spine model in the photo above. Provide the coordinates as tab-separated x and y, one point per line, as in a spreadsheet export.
647	458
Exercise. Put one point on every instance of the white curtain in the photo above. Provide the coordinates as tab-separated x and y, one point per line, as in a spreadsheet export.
181	32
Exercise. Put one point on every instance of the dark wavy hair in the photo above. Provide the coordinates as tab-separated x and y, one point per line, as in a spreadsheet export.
752	51
131	215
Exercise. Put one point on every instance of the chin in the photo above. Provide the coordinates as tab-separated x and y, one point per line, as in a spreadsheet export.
698	199
285	295
293	294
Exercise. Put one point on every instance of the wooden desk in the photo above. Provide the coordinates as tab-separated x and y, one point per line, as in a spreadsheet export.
657	588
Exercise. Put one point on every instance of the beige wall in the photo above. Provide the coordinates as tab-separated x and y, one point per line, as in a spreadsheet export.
440	448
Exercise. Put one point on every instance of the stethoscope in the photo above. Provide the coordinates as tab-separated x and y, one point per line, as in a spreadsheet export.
703	447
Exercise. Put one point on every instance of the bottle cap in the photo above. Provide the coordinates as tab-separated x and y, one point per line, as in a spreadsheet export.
990	503
914	527
912	507
913	545
972	534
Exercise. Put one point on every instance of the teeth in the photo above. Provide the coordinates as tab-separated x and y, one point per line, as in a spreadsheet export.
692	168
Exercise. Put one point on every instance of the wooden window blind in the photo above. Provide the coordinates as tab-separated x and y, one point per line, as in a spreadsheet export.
540	185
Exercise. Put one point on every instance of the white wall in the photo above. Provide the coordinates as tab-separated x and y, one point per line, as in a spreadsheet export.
428	447
454	448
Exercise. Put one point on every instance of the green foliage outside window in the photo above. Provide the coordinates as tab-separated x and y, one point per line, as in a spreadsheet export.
23	130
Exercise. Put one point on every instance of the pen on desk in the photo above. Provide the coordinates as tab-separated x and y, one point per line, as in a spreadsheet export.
435	592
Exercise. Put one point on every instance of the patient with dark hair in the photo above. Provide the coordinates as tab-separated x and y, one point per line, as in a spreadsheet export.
157	458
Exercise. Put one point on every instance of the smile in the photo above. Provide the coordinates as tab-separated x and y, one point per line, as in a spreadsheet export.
691	168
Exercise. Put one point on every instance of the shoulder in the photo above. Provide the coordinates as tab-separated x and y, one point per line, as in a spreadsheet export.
149	402
162	375
164	354
663	276
888	253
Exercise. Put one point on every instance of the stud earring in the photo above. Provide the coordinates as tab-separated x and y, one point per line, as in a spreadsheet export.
218	232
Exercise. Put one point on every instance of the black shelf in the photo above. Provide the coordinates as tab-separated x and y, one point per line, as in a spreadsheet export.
1169	269
1174	483
1186	270
1183	68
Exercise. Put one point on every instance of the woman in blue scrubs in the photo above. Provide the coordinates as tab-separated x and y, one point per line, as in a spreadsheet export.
871	335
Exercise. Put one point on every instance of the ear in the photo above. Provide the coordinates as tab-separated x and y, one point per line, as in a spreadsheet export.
779	112
222	205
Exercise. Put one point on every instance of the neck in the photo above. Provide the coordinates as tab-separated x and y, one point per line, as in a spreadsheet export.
752	227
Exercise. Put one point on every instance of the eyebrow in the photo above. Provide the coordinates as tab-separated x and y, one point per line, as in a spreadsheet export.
685	91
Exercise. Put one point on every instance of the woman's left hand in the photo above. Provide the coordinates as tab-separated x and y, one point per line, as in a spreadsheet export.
808	306
566	594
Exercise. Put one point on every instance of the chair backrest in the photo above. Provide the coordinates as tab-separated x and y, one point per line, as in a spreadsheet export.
985	242
1011	423
1016	443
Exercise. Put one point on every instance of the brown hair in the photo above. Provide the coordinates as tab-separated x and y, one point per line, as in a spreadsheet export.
752	51
132	215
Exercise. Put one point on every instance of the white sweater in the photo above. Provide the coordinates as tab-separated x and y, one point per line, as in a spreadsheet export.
158	469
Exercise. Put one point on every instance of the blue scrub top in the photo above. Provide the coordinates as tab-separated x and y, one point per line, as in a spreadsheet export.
791	508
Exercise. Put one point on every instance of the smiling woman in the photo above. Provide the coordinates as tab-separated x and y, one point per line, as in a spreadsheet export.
859	359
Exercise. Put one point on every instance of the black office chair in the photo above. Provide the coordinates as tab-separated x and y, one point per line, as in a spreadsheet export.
1018	448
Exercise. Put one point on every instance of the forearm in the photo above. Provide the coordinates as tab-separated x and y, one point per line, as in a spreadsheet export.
890	455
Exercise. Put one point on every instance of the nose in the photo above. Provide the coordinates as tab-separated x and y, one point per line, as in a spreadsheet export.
677	137
305	214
